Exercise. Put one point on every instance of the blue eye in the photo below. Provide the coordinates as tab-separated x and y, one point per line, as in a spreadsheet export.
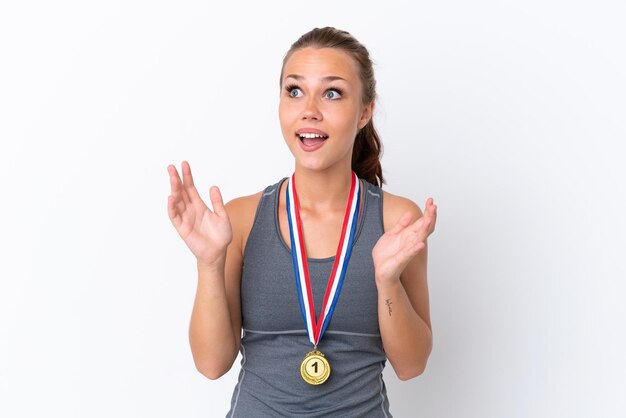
333	94
294	92
290	89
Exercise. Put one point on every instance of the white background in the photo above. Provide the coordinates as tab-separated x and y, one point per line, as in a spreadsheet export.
510	114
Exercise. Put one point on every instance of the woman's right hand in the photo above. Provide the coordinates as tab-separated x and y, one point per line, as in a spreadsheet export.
207	233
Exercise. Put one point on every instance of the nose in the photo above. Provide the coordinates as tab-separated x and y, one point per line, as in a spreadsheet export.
311	109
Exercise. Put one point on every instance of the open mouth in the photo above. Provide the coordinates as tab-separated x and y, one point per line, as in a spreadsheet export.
310	139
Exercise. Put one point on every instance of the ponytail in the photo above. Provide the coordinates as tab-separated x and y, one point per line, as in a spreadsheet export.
366	155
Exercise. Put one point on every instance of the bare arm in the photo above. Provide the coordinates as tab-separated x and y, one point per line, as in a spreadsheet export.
215	325
403	309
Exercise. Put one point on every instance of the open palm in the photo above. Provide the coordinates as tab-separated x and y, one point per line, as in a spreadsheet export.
399	245
206	232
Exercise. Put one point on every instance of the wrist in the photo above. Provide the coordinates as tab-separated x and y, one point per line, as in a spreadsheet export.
387	283
213	267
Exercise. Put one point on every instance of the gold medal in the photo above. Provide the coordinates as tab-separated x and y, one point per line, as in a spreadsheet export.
315	368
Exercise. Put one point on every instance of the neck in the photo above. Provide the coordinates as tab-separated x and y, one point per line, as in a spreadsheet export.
323	190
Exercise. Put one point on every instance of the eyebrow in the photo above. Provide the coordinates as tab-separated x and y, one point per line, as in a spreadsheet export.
327	78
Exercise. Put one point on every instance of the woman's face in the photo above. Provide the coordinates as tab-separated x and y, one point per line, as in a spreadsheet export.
321	107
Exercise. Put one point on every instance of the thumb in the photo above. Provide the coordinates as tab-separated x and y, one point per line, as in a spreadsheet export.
216	201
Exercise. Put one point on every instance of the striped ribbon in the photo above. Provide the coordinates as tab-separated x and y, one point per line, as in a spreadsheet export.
315	328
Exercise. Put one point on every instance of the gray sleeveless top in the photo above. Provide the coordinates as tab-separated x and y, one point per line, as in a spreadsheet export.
274	338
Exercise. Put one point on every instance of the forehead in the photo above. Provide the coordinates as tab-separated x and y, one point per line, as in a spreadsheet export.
315	63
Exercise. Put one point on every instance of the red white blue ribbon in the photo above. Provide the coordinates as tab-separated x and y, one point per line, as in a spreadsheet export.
316	327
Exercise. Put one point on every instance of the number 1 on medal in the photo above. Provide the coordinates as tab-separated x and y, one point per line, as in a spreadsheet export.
315	368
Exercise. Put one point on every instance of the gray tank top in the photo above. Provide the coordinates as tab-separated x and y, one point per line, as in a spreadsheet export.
274	338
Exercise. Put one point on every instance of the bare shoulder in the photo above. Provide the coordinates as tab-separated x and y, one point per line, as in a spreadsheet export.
395	206
241	211
241	206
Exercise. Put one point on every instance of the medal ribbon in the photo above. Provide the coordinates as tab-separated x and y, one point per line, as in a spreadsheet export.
315	328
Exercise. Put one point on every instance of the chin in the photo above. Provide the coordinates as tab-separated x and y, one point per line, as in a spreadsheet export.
317	164
312	165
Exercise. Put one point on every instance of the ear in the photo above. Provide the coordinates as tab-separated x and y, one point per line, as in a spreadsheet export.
366	114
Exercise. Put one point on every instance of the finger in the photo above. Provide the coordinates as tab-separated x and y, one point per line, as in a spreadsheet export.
172	211
188	182
216	201
175	183
176	186
432	216
414	247
179	187
430	205
429	218
176	209
187	177
176	201
422	227
178	193
402	223
419	247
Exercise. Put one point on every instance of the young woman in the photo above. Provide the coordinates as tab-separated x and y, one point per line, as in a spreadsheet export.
314	280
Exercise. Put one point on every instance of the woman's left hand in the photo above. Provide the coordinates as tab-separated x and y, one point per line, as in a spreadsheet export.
398	246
